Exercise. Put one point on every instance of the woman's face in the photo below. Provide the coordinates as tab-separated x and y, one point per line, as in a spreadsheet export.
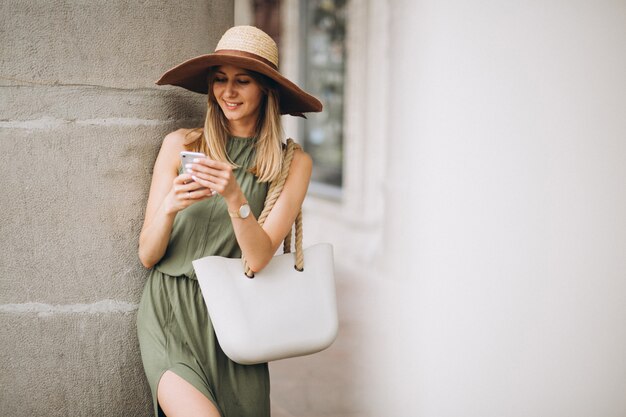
238	95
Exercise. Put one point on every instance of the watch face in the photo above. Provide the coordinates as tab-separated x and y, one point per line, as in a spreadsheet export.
244	211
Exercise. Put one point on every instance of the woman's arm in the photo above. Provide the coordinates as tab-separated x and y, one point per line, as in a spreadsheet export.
169	193
257	243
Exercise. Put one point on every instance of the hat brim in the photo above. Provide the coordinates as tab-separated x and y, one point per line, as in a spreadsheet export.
192	75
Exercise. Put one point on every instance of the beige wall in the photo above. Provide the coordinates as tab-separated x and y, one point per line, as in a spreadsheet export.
80	125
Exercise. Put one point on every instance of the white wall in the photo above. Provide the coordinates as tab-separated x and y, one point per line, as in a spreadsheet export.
503	289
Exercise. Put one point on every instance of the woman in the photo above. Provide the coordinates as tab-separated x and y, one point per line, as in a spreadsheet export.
212	211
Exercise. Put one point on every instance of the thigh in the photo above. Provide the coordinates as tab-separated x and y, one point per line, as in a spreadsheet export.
178	398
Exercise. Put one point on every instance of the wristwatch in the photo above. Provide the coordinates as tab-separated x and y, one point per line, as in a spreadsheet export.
242	213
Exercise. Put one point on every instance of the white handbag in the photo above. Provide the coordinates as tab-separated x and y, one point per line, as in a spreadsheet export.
289	308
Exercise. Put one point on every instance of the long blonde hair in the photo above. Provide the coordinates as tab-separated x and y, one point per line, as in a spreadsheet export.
212	138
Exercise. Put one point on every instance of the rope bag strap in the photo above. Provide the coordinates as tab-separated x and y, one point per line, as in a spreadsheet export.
276	187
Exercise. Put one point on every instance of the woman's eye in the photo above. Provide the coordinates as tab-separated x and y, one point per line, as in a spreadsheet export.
220	80
243	81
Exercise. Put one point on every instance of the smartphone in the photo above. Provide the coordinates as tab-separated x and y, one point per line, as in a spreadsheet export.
188	157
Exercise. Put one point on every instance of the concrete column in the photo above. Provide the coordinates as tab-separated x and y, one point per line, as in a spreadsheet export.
80	126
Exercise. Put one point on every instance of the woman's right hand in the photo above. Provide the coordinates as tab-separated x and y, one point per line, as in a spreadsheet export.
170	192
185	192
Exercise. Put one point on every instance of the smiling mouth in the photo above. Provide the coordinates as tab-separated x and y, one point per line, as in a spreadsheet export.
231	106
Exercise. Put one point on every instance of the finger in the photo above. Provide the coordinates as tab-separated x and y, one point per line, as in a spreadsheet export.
217	187
198	164
198	194
211	163
212	183
187	196
182	179
201	169
203	178
196	184
205	181
204	163
202	182
182	188
208	192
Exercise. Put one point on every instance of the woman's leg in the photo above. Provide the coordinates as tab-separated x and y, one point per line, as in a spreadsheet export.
178	398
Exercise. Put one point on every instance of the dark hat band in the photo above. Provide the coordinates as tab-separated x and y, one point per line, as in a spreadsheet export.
246	55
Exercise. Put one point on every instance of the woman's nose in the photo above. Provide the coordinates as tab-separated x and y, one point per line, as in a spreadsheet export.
230	89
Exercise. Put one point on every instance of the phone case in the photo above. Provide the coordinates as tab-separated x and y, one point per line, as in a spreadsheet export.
187	157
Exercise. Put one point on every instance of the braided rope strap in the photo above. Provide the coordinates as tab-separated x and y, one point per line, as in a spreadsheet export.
276	187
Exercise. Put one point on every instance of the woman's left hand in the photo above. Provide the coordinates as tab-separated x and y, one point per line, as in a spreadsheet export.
216	175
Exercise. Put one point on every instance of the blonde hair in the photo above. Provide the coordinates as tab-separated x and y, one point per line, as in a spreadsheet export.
212	138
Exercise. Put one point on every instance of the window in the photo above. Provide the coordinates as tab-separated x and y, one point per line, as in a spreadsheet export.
323	56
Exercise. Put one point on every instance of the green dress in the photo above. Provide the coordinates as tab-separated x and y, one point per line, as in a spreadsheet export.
175	332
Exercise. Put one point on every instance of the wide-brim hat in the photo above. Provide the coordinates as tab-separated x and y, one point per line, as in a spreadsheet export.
250	48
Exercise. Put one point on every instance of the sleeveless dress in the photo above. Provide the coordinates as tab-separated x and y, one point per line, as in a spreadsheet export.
175	332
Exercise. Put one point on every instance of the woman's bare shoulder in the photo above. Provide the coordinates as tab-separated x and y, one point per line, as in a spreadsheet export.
173	143
302	159
179	140
301	166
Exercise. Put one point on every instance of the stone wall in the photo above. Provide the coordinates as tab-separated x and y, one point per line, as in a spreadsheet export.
81	122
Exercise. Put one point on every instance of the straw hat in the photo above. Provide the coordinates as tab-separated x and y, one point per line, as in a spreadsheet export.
250	48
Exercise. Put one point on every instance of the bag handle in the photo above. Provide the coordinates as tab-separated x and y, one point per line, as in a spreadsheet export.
276	187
